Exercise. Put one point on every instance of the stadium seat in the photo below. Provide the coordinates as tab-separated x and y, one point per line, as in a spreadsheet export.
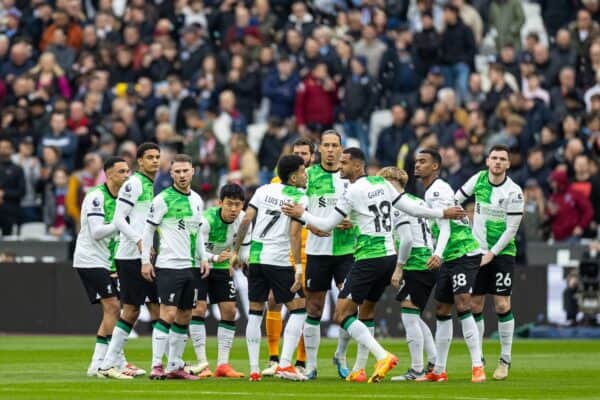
33	231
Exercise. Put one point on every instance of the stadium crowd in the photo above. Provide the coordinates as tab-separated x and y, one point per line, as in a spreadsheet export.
81	80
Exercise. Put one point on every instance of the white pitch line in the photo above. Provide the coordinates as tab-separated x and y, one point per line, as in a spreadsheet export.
206	392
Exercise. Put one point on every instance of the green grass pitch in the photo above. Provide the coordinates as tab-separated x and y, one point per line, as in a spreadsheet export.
40	367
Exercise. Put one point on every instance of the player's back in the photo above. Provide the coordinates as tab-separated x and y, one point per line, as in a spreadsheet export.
271	232
439	194
371	201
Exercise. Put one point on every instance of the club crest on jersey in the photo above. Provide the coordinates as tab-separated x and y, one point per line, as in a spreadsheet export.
128	187
436	194
96	202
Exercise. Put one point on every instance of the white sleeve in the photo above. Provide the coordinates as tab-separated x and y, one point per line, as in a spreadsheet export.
98	229
157	210
443	238
343	208
245	248
200	250
514	214
410	207
405	235
93	210
128	195
441	198
466	190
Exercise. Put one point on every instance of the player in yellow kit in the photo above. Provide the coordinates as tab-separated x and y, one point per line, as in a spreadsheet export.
305	149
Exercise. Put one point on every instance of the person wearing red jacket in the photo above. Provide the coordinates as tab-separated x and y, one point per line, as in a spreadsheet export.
316	97
568	211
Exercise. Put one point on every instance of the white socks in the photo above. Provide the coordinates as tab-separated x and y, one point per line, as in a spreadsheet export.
506	330
443	339
198	336
225	334
312	339
160	341
177	339
471	335
428	342
362	352
291	336
253	337
480	328
414	337
342	347
115	347
99	352
359	332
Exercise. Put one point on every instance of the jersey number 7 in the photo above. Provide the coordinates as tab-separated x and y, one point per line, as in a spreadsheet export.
275	216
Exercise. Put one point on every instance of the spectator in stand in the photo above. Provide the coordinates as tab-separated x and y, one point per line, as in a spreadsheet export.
64	55
56	218
475	159
243	164
30	164
280	88
229	120
19	63
244	82
452	170
584	30
271	148
371	48
61	138
586	184
300	19
427	45
396	139
62	20
359	97
315	99
12	188
398	74
471	18
506	17
568	212
80	183
535	211
458	50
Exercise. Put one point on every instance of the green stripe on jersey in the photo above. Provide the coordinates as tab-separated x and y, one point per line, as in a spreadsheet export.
461	242
218	232
255	251
292	192
178	204
493	231
376	180
320	181
193	239
110	205
483	189
370	247
147	188
417	260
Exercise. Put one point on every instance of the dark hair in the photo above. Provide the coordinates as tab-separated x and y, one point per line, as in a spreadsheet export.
332	132
536	149
287	165
111	161
305	142
144	147
232	191
182	158
500	147
355	153
434	154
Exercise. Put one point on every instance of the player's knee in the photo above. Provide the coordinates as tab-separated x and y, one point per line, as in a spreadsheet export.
168	315
228	311
502	305
130	313
443	309
200	309
112	307
463	303
477	303
314	307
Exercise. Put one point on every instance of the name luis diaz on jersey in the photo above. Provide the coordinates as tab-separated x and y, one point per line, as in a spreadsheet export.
275	201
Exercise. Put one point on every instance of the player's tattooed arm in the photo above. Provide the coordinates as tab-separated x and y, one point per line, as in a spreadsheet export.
241	234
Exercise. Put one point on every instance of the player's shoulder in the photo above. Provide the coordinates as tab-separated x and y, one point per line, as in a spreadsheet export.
512	185
439	188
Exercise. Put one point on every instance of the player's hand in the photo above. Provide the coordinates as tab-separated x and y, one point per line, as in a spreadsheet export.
455	212
345	224
577	231
204	268
318	232
297	283
234	261
434	262
139	245
224	256
397	277
148	272
487	258
293	210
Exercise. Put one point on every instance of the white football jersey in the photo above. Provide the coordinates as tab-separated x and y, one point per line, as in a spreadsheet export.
270	243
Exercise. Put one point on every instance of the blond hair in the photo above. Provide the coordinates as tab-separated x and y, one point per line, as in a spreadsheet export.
394	174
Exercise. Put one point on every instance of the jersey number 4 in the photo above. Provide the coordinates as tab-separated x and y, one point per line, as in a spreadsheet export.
383	217
275	216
